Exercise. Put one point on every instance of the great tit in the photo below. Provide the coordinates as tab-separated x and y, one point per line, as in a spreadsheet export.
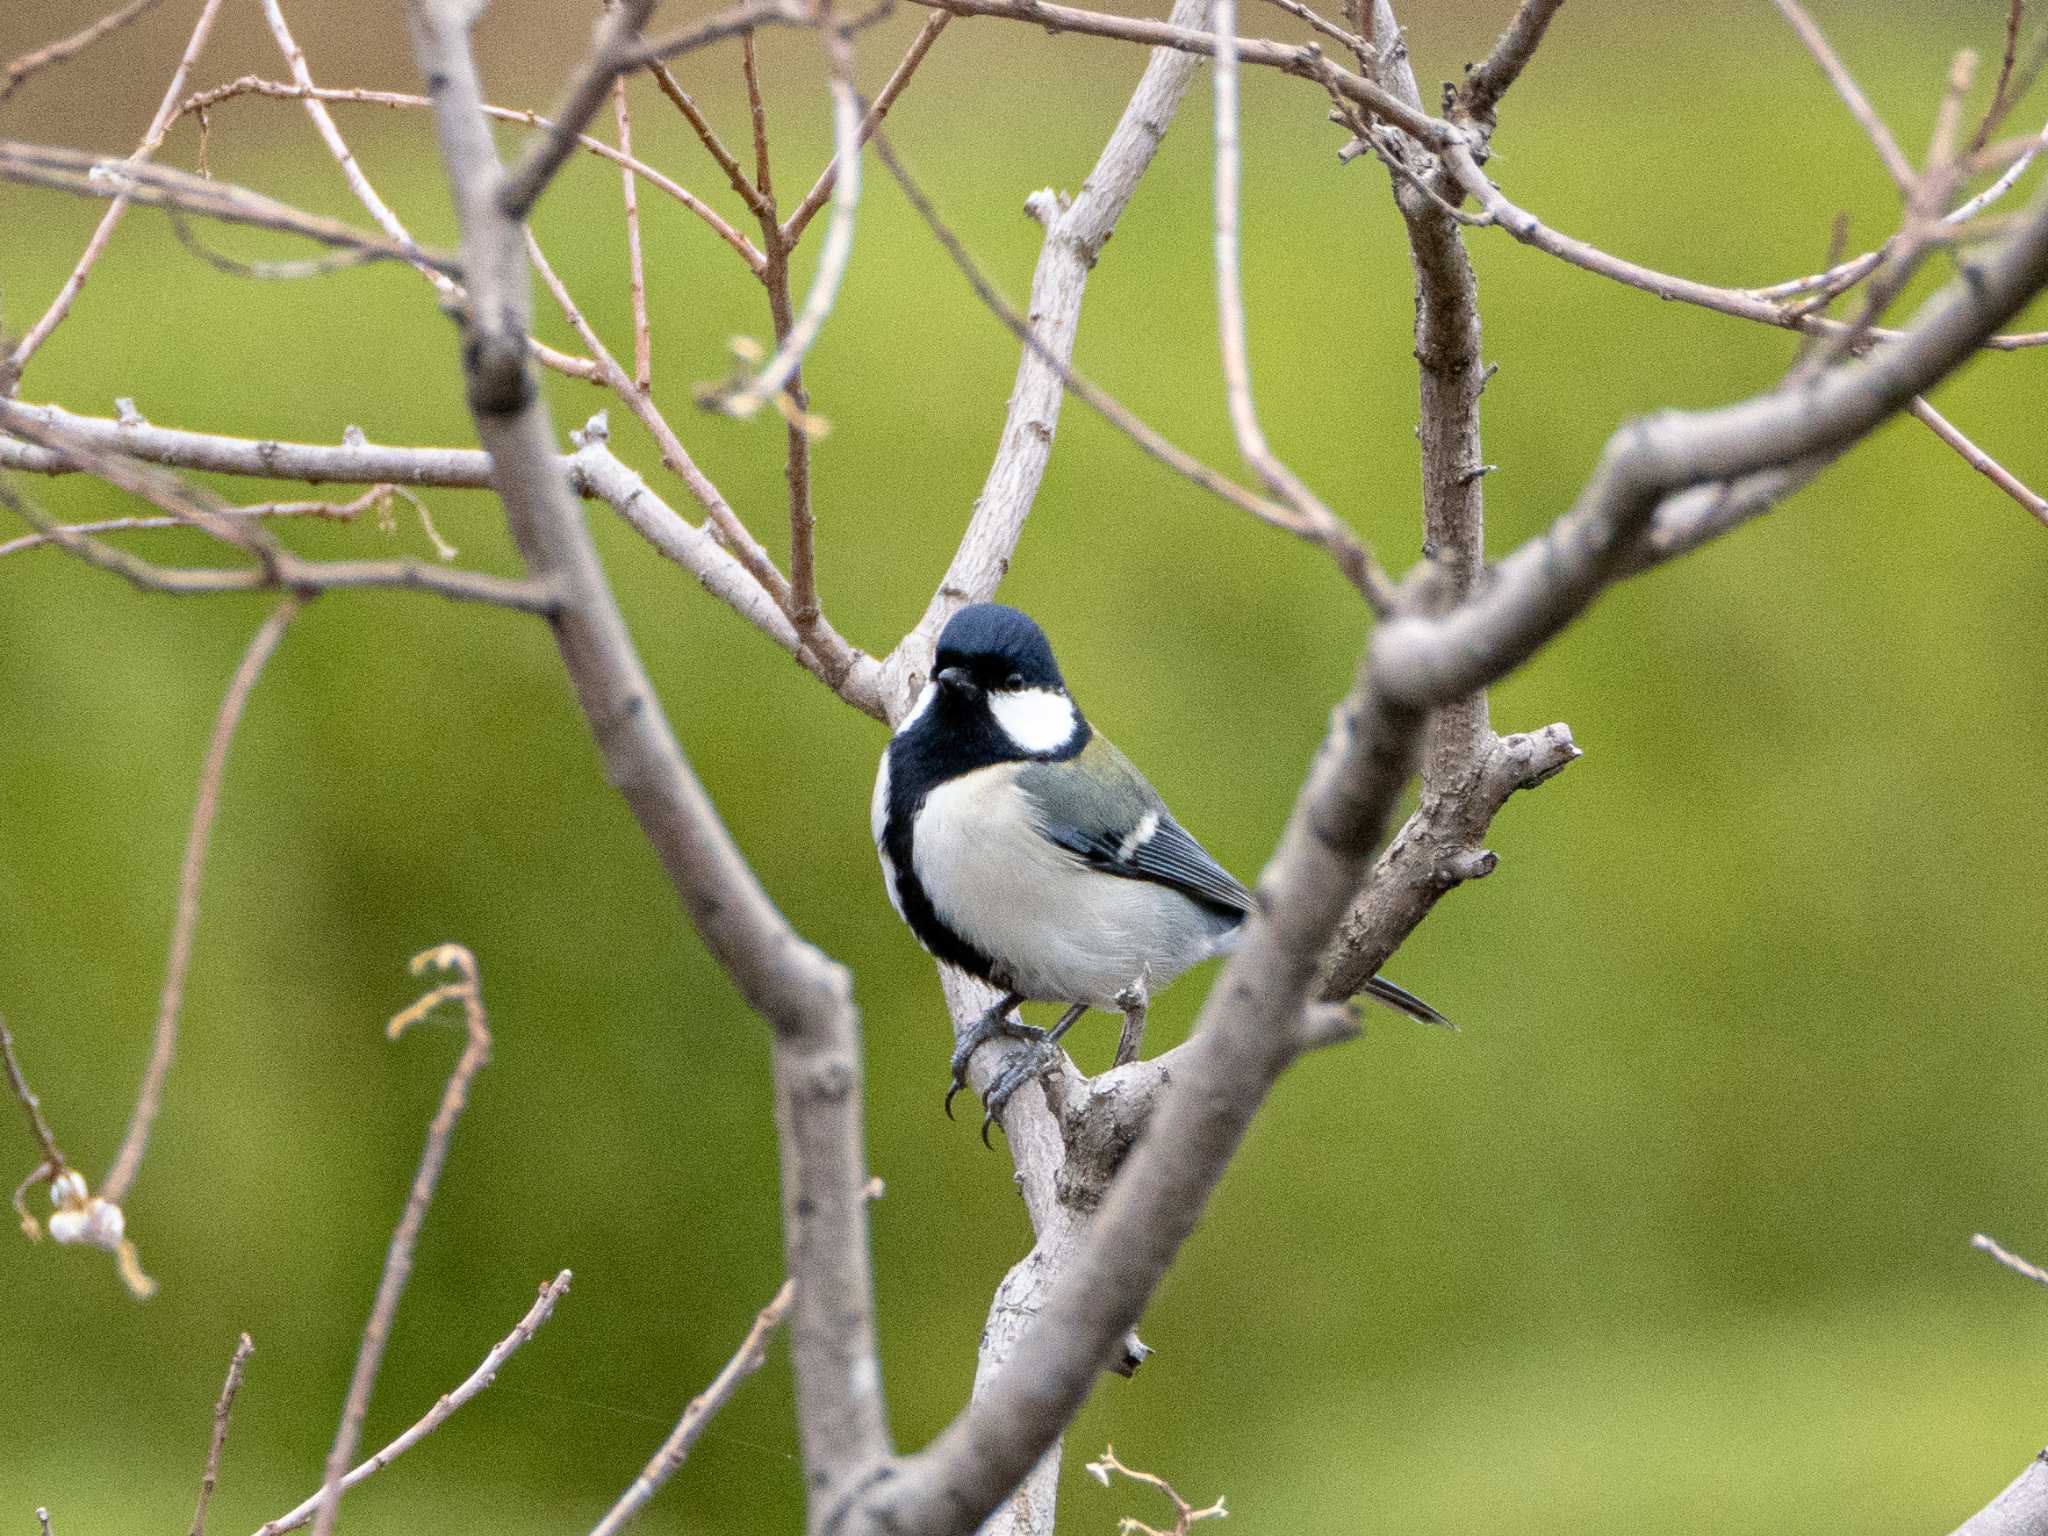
1022	847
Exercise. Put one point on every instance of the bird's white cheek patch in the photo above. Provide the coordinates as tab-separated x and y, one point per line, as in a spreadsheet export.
1037	719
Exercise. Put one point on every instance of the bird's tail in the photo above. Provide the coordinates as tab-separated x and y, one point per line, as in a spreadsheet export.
1401	1000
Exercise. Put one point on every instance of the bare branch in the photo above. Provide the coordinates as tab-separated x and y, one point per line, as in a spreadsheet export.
89	175
706	135
53	1159
255	85
804	996
444	1406
1979	460
838	246
326	510
1075	234
1318	520
618	35
1894	158
65	48
282	571
221	1410
355	462
736	21
2001	97
398	1258
1487	82
746	1360
1254	1023
67	295
745	547
793	228
2020	1509
1185	1514
128	1161
596	472
2009	1259
1289	58
636	266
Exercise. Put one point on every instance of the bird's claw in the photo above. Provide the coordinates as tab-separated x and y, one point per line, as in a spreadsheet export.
998	1021
1020	1069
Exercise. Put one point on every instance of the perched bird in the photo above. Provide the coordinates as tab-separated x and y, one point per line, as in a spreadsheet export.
1023	848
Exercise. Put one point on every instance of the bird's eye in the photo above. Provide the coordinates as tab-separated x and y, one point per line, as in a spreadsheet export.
1016	680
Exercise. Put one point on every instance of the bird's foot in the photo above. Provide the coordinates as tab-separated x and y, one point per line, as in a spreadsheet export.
997	1022
1020	1069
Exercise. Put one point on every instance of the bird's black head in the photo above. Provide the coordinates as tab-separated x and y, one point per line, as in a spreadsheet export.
996	648
996	695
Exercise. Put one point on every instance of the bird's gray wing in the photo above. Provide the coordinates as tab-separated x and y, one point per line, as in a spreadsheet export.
1099	808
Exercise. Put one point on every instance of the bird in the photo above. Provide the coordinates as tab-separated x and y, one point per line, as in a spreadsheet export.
1020	846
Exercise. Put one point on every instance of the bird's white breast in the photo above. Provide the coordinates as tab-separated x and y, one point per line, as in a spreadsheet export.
1061	930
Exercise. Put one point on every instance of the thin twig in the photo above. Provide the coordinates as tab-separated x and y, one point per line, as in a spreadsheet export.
793	228
1278	479
443	1408
1488	81
2009	1259
838	246
283	571
124	181
636	267
708	137
1359	48
329	510
128	1161
1894	158
757	119
256	85
221	1410
794	400
67	295
2003	184
1942	170
737	21
746	1360
398	1259
68	47
546	152
38	1126
1979	460
2000	100
1185	1514
745	547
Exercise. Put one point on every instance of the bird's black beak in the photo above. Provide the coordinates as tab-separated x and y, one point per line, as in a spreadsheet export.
957	680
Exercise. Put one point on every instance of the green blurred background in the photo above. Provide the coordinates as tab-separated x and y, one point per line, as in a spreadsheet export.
1672	1237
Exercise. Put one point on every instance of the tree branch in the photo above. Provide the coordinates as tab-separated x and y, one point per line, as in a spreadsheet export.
155	186
1075	232
1363	570
611	53
803	995
159	125
398	1258
69	47
746	1360
243	1349
444	1407
128	1161
1256	1020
